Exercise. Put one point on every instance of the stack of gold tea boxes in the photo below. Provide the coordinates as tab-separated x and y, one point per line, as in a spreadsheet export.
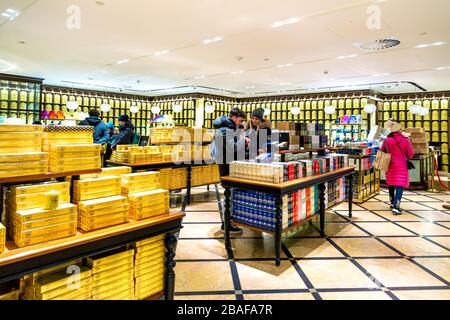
100	203
2	237
145	197
204	175
39	213
69	281
113	275
71	148
20	151
149	267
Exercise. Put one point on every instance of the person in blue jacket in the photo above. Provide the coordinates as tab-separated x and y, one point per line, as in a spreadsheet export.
101	135
126	132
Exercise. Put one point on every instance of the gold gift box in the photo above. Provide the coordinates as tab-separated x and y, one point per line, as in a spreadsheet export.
23	157
2	237
14	137
116	171
142	215
116	213
39	213
74	161
66	292
109	257
34	200
45	238
104	181
147	266
19	233
20	128
150	240
19	150
103	224
60	279
24	172
141	187
70	155
113	282
141	176
143	293
150	279
92	166
80	149
127	294
103	211
84	293
150	247
91	205
105	192
117	271
146	255
113	290
113	265
26	165
46	222
40	188
157	268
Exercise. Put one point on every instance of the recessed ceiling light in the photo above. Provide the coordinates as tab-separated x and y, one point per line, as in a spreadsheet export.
160	53
284	65
347	57
440	43
442	68
285	22
216	39
285	84
420	46
237	72
380	74
199	77
11	14
122	61
250	87
426	45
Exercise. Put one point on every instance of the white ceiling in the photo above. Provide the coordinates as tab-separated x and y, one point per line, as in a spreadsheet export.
136	29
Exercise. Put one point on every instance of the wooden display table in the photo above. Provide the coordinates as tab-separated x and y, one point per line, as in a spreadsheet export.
367	185
170	164
279	190
17	262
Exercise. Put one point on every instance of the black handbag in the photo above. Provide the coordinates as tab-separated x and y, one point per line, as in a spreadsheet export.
409	163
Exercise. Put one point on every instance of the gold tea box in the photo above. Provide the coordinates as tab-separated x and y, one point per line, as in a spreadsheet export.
108	202
86	218
100	182
50	221
60	279
148	212
109	257
103	211
38	214
113	265
34	201
157	194
144	293
21	173
150	247
85	283
19	233
74	161
116	171
54	155
150	285
150	278
102	224
79	149
145	267
21	149
144	242
104	280
23	157
141	176
107	284
84	293
104	192
117	271
26	165
20	128
40	188
45	238
113	290
2	237
155	270
127	294
20	136
154	253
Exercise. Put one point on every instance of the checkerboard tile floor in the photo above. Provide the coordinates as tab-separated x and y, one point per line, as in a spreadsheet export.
373	256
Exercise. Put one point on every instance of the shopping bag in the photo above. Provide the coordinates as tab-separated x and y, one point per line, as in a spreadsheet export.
382	160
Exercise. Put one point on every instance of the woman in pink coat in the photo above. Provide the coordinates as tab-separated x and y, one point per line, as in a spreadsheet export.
397	176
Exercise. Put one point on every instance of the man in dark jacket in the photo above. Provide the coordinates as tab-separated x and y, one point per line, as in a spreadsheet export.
229	145
126	132
100	131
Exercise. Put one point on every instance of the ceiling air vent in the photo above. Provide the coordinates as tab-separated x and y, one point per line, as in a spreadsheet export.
377	45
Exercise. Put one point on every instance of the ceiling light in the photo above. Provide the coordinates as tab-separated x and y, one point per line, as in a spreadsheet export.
122	61
237	72
156	109
11	14
199	77
160	53
216	39
285	22
105	107
442	68
440	43
347	57
284	65
380	74
426	45
285	84
134	109
6	66
250	87
420	46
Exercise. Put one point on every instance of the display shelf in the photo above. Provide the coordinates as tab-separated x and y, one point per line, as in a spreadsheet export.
278	191
17	262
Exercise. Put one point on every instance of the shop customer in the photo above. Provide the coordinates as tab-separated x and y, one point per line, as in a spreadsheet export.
397	176
126	132
100	131
259	131
229	145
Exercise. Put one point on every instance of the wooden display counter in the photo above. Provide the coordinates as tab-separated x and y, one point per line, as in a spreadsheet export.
279	190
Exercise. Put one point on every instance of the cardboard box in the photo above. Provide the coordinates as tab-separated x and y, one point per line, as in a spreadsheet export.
415	130
420	148
419	140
